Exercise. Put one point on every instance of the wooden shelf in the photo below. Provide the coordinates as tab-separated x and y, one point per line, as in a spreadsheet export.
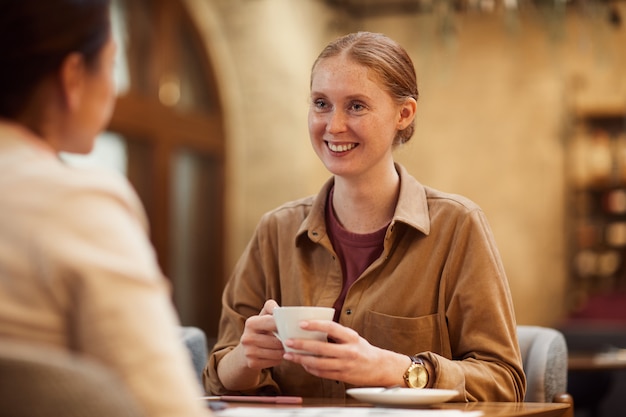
616	110
596	219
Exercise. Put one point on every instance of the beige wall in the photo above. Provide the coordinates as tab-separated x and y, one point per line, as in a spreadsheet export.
492	112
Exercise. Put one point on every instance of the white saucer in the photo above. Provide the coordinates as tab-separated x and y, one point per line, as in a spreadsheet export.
402	396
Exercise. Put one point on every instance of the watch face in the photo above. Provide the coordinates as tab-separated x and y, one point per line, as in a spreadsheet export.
418	377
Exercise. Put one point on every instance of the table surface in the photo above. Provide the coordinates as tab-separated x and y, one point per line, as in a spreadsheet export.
489	409
580	361
512	409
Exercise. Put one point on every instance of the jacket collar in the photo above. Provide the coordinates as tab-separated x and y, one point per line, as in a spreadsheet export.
412	207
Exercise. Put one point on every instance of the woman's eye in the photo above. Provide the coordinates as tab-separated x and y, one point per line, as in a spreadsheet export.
319	104
357	107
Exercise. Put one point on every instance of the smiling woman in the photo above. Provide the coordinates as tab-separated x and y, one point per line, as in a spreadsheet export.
414	275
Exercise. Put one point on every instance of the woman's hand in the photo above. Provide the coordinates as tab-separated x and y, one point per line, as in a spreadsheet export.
348	358
260	347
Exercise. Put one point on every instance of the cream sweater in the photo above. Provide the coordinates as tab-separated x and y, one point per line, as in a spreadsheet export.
77	271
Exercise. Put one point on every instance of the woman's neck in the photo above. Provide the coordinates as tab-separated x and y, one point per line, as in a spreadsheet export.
366	205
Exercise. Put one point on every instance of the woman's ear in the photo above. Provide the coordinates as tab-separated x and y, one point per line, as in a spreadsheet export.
72	78
407	113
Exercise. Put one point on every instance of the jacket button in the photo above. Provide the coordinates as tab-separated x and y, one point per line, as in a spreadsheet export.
349	311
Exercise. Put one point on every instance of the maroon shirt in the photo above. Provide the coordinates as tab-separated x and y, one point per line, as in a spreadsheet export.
355	251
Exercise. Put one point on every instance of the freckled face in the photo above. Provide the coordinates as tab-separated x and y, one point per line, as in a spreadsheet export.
352	119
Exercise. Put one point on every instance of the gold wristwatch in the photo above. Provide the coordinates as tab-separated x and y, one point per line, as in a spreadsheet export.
417	374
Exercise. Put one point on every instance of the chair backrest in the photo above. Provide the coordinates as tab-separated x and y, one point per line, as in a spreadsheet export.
544	356
195	340
41	381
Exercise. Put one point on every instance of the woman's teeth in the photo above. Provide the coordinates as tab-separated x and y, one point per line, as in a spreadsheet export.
341	148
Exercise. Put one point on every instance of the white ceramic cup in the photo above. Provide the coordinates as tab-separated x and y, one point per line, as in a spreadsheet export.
288	323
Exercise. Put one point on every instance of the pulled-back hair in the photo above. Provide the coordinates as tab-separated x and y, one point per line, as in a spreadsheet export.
37	35
387	59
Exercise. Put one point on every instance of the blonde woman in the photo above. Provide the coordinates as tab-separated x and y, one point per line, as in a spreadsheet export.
414	275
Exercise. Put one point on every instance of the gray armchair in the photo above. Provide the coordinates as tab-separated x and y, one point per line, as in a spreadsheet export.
544	356
196	341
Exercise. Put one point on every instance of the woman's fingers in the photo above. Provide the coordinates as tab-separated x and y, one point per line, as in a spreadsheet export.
268	307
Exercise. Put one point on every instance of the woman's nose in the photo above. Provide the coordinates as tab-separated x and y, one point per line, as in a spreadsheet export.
336	122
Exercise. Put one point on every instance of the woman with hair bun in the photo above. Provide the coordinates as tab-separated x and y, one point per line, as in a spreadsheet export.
420	294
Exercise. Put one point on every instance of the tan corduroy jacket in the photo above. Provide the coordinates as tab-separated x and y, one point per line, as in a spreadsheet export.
438	289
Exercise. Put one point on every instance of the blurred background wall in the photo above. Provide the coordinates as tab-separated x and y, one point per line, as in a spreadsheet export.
497	94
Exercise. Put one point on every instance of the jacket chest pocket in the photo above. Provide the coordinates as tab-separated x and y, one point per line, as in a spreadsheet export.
406	335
